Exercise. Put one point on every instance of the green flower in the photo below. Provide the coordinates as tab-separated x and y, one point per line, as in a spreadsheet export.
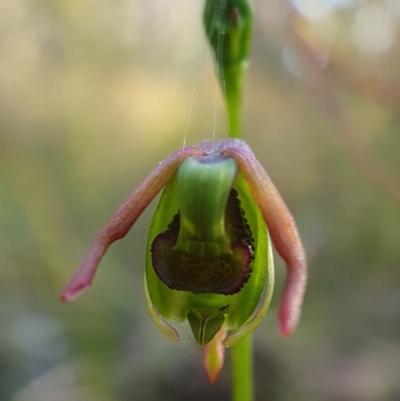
208	254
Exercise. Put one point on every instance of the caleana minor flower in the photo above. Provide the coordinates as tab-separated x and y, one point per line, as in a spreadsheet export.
209	258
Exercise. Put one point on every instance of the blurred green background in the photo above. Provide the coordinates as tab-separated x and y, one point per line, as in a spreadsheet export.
93	94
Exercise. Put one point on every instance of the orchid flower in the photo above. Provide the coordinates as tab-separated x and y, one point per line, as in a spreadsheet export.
209	258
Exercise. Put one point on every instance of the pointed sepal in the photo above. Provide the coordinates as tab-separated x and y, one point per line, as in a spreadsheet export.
165	327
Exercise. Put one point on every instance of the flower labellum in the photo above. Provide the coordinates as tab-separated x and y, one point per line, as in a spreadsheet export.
209	257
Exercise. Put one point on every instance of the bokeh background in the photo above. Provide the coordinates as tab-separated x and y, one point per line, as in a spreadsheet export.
94	93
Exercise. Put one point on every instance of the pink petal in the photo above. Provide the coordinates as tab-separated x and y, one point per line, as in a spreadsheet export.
282	229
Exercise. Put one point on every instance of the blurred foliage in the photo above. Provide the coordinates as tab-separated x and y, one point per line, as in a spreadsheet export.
93	94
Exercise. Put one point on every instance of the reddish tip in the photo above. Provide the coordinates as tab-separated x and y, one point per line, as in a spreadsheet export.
214	356
284	328
72	292
212	377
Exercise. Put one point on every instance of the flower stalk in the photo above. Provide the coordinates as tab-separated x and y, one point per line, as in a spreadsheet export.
243	370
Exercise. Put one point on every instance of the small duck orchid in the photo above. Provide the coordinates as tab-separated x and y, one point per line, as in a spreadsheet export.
209	259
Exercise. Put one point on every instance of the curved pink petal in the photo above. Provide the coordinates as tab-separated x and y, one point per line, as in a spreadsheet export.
282	229
124	218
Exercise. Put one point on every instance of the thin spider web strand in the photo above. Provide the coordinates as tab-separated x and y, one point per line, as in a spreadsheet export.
195	85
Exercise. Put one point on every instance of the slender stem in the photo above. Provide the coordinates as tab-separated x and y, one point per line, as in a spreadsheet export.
233	98
228	25
242	370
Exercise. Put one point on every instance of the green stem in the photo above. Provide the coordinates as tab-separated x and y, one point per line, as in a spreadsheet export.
228	25
233	99
242	370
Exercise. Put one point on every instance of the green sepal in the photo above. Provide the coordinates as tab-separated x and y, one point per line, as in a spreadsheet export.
254	322
165	328
169	303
